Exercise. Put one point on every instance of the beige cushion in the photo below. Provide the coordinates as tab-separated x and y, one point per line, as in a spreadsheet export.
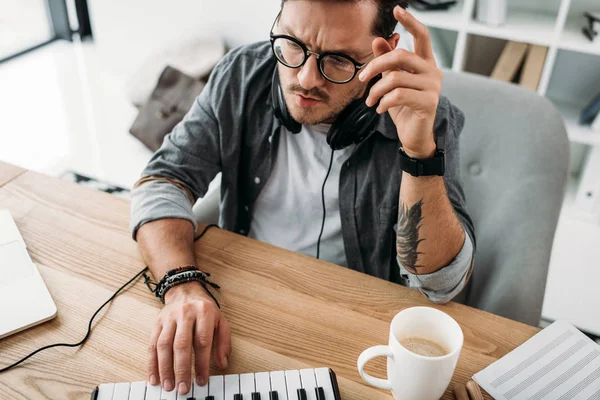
195	57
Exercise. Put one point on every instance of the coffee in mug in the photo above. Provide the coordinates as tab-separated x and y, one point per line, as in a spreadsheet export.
424	347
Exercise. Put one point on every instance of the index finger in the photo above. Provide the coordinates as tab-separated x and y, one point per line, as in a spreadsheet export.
398	59
419	32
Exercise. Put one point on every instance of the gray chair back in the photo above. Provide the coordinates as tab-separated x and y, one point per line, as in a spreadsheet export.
514	162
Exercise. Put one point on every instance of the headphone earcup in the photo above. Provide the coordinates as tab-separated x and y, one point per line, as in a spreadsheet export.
280	107
355	123
352	125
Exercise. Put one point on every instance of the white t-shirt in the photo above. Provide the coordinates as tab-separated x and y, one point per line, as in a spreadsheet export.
288	211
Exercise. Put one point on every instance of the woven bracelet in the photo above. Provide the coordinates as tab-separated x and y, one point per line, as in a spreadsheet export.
179	276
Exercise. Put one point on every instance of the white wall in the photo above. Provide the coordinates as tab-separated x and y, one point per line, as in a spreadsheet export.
127	32
241	21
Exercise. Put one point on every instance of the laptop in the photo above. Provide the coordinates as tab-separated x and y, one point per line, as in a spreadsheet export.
24	297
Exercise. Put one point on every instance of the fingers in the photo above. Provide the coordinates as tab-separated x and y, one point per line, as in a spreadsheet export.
398	59
153	375
397	79
419	32
165	355
414	99
222	343
182	345
203	339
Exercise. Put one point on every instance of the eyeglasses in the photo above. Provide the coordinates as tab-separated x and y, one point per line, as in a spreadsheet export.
335	67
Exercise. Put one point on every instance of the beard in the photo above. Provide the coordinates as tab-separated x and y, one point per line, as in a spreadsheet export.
327	110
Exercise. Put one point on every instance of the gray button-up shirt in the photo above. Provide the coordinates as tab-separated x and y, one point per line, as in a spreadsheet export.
231	129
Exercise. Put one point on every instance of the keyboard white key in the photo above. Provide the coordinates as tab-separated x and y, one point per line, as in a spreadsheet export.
247	386
215	387
324	381
263	384
172	395
121	391
278	385
309	383
153	392
292	380
105	391
232	386
137	391
200	392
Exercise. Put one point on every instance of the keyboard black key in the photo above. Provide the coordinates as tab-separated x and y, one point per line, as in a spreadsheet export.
255	396
238	396
320	393
191	398
273	396
334	383
210	398
301	394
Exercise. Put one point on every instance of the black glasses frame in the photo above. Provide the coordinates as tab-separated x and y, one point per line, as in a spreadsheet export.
320	56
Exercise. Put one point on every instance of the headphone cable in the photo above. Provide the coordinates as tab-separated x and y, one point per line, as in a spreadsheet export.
89	329
87	335
323	202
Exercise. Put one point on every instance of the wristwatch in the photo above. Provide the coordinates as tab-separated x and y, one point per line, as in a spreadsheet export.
435	166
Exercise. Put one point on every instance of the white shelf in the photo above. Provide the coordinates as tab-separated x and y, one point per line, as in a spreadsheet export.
451	19
577	133
570	210
571	292
521	25
571	193
573	39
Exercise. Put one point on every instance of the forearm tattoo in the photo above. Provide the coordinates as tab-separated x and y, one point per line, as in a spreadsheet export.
407	240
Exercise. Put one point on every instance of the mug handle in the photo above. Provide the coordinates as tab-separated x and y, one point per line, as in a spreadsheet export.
366	356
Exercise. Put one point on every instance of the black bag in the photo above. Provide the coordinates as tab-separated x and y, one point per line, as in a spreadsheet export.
172	98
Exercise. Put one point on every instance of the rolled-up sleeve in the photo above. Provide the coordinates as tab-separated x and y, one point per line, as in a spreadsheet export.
159	200
190	157
443	285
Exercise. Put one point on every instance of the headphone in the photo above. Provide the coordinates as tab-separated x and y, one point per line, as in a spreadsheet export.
353	125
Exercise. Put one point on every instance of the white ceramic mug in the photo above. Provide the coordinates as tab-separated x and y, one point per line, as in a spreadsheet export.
491	12
411	376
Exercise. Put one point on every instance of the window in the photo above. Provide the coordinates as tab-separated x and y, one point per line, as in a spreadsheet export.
29	24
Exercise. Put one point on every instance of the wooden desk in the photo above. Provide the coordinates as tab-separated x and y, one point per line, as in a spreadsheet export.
8	172
288	311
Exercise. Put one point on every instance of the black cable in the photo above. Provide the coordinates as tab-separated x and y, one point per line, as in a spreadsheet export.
87	335
323	202
206	228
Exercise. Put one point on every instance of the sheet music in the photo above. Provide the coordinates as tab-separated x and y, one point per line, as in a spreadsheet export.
560	362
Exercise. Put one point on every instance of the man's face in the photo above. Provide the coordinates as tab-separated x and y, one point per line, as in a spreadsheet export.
324	26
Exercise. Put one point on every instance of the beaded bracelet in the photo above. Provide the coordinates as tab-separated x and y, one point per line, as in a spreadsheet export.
178	276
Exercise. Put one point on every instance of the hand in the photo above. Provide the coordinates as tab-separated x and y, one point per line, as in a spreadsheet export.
410	87
189	319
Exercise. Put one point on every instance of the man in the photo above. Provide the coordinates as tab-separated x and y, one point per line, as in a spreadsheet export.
380	219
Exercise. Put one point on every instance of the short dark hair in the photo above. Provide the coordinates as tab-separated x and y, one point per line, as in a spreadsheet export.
385	22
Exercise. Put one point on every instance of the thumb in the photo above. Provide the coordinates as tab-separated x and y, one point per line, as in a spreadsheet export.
381	46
